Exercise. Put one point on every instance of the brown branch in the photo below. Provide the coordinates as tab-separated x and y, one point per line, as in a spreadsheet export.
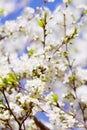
9	107
2	37
44	31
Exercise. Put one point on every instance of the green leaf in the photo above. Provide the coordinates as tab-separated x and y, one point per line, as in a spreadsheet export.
72	79
85	12
69	96
69	1
2	11
24	74
41	23
36	90
1	86
62	118
12	78
51	46
5	81
55	98
35	73
12	75
31	52
2	102
65	53
75	30
43	79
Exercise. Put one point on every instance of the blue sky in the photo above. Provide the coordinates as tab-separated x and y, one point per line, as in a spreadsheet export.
51	5
34	4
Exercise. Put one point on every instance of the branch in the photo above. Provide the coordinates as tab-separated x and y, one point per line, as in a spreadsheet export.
9	107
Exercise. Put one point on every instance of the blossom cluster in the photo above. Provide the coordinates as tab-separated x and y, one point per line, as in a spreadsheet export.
43	68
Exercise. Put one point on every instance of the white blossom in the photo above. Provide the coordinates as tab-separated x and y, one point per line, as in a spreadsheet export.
82	93
43	62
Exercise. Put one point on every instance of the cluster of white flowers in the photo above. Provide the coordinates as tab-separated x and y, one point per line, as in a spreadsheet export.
42	67
9	6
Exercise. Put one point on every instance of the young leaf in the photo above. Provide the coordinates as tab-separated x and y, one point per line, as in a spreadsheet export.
2	11
55	98
31	52
69	1
75	30
41	23
85	11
